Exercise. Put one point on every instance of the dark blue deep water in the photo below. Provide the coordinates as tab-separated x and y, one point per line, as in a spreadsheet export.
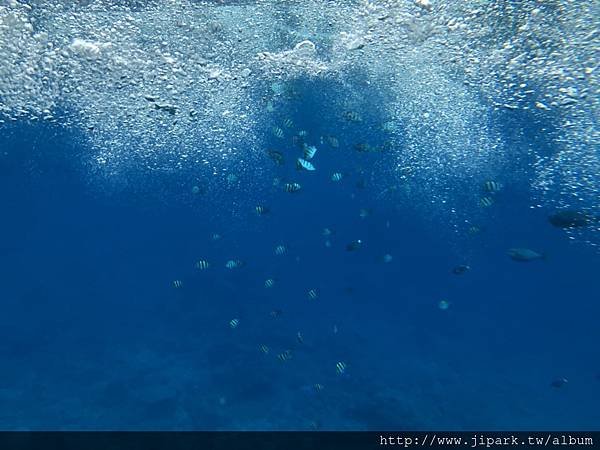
94	335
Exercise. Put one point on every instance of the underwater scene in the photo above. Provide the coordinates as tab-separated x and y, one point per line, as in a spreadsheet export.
299	215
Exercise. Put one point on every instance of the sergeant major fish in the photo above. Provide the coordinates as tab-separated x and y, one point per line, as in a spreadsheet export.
292	187
309	151
262	210
202	265
234	263
303	164
492	186
276	156
352	116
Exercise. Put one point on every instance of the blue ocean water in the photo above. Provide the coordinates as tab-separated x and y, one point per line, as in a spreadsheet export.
96	336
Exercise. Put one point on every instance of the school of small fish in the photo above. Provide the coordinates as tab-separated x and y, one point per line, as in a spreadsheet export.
490	195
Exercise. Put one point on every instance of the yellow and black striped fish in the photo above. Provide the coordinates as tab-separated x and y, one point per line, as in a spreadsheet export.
278	132
292	187
340	367
303	164
486	202
280	250
474	229
352	116
202	265
234	264
309	151
285	356
332	141
262	210
264	349
492	186
276	156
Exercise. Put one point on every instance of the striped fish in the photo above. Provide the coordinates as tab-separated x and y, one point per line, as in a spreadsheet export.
298	141
304	164
233	323
276	156
292	187
277	132
313	294
337	176
340	367
269	283
318	387
332	141
285	356
474	229
486	202
233	264
299	338
202	265
177	283
264	349
352	116
261	210
280	250
302	133
288	123
492	186
309	151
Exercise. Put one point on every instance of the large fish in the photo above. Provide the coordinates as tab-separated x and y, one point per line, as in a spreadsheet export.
570	218
524	254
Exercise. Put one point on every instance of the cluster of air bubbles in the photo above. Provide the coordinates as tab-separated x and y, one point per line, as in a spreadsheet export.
448	64
437	128
164	85
182	84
